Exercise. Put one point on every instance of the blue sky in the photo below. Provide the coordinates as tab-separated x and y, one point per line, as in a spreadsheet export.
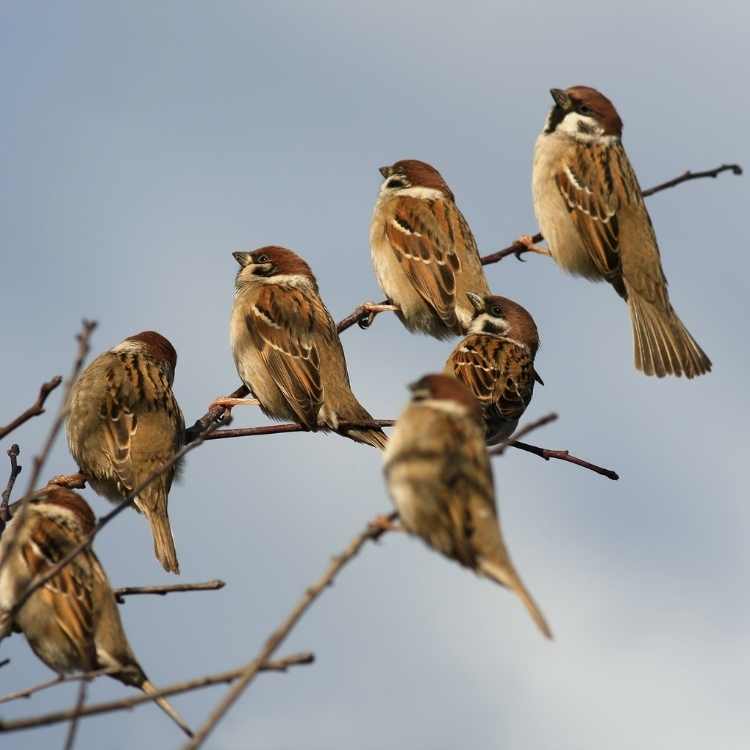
141	143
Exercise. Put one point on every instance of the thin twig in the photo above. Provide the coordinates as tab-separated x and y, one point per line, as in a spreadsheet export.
274	429
371	532
164	590
212	415
59	680
499	449
83	339
15	470
71	738
104	520
280	665
685	176
4	662
35	409
564	455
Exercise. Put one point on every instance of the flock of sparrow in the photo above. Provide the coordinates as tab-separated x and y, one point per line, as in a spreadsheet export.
124	422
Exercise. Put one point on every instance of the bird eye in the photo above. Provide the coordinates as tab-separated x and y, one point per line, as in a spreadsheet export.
496	311
395	182
262	259
584	110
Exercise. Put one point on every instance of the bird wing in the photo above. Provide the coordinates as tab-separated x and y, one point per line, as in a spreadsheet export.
284	325
421	236
68	594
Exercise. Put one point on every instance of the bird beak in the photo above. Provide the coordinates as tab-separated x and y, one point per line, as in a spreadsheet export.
538	378
476	301
561	99
385	171
243	259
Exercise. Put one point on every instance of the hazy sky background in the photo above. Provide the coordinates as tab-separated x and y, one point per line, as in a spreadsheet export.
141	143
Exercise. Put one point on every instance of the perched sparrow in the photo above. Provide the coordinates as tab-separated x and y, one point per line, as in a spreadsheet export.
286	347
440	479
71	622
496	362
125	423
423	251
590	209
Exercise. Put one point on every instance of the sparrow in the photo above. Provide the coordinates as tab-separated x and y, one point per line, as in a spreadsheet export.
591	211
286	347
124	423
423	252
71	622
496	362
439	477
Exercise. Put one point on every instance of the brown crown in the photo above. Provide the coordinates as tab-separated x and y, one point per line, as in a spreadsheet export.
159	347
284	262
72	501
422	174
602	107
447	388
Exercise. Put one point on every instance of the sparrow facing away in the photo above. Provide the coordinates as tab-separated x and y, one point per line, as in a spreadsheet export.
439	477
424	254
71	622
124	423
591	211
496	362
286	347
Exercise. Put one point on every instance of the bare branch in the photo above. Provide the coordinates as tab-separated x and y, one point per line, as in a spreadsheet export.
4	663
59	680
71	738
212	415
15	470
564	455
499	449
104	520
372	532
685	176
274	429
35	409
56	717
164	590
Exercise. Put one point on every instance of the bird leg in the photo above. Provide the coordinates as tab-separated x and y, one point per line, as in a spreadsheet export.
227	402
527	246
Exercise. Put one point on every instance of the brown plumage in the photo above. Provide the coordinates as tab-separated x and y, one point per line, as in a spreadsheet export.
286	347
125	423
423	252
591	212
439	477
71	622
496	362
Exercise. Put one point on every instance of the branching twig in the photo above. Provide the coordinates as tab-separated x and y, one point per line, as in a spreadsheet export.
274	429
371	532
35	409
59	680
564	455
685	176
15	470
212	415
56	717
104	520
499	449
164	590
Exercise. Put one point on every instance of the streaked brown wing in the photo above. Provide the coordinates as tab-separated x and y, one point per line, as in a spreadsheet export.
472	363
283	325
515	385
421	236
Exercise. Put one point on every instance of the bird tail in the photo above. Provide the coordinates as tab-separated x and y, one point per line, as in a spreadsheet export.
354	412
662	344
505	575
167	707
163	542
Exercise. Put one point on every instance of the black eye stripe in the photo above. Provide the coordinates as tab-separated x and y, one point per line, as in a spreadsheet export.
395	182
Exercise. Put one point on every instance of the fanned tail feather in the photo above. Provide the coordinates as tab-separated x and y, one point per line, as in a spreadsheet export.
662	344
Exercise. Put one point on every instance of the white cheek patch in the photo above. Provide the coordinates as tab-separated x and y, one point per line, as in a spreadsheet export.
478	324
578	125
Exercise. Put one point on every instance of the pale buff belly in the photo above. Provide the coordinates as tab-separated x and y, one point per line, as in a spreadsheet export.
552	212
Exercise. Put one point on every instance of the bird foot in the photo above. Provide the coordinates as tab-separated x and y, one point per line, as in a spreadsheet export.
526	243
372	309
384	523
228	403
70	481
